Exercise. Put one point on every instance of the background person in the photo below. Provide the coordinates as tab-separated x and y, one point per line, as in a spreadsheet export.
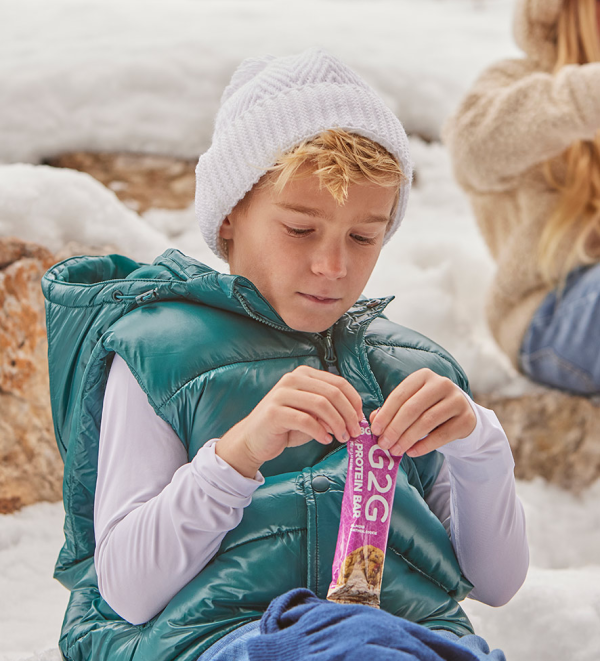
525	145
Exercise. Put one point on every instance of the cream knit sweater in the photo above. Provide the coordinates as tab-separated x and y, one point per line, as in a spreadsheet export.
517	116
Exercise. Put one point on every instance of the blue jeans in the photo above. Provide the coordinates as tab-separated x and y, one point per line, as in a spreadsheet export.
561	347
234	646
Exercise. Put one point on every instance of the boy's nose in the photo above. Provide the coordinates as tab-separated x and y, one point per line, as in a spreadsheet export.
330	263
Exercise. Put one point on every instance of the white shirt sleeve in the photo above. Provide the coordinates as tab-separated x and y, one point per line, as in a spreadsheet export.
475	498
158	519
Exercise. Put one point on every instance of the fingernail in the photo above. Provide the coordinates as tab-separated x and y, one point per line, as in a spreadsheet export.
345	436
384	443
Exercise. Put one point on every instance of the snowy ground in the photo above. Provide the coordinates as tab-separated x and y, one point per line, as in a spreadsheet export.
147	76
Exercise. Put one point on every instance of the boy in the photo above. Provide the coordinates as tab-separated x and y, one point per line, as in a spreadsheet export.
221	458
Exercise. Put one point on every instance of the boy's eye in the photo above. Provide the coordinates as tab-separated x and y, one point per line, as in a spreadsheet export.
296	232
293	231
363	239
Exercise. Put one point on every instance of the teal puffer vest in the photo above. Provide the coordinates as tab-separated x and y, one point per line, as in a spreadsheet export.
206	347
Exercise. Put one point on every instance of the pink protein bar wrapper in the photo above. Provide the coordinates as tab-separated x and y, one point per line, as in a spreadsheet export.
365	521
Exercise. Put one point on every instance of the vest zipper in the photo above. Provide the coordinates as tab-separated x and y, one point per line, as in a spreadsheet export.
330	358
254	316
329	355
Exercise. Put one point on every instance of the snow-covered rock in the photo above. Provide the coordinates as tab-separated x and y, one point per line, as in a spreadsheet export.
52	206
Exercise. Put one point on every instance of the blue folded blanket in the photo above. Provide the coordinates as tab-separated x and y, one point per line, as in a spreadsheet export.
299	625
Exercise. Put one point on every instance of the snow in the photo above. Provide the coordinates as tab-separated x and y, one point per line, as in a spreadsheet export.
32	603
53	206
146	76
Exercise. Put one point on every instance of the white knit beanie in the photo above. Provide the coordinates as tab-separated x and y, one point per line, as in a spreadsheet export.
270	105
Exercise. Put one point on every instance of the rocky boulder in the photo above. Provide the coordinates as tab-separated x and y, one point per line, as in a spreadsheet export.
552	434
140	181
30	465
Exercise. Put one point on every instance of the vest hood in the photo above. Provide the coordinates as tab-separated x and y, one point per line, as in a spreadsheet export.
534	29
117	279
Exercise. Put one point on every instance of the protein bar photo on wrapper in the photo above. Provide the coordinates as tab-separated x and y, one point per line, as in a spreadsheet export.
364	522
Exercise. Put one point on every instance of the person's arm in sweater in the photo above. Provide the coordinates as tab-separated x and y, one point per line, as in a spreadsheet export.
475	498
158	519
515	117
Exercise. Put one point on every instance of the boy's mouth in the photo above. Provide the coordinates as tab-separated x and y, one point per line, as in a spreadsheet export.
319	299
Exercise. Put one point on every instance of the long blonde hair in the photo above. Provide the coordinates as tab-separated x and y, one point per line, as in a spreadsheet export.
578	210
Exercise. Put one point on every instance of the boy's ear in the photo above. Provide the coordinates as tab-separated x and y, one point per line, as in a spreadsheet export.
226	229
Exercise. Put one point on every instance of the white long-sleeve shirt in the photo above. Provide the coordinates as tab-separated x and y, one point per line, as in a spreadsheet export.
159	518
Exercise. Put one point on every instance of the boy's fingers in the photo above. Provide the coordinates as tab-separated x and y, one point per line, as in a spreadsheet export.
321	408
339	382
351	394
411	385
335	389
341	403
431	419
444	434
406	414
303	422
373	415
325	402
340	400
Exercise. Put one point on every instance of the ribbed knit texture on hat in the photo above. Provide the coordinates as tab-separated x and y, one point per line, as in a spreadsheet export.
270	105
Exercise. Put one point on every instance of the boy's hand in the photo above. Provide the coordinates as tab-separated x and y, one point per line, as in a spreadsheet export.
424	404
304	404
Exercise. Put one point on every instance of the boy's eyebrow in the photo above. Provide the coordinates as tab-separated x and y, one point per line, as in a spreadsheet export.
317	213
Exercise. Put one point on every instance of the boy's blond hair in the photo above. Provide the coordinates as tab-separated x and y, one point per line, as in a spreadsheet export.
338	158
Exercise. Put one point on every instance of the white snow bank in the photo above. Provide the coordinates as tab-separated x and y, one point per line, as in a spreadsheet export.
182	231
564	530
52	206
32	603
111	75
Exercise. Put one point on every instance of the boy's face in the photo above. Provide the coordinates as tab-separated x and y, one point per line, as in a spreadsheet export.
294	257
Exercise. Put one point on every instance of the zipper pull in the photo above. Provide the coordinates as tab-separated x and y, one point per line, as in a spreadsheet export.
330	353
